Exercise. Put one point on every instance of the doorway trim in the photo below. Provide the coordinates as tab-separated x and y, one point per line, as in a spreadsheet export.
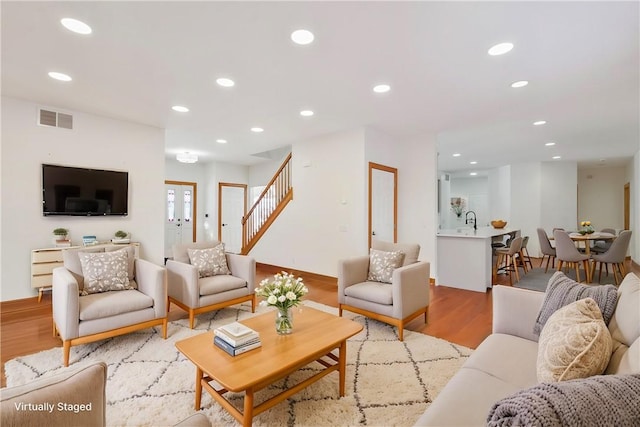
194	186
627	206
229	184
394	171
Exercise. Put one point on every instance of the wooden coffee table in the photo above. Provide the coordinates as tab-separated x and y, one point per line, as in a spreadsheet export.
315	335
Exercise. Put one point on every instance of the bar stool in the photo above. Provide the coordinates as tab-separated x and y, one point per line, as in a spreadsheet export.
526	259
510	257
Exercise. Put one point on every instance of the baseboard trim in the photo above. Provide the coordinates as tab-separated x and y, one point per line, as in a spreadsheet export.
313	276
307	274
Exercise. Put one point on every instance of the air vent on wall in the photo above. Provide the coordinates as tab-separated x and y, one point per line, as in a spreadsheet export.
54	119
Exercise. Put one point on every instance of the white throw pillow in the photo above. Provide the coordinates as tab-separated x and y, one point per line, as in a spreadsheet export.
574	343
104	271
382	264
210	261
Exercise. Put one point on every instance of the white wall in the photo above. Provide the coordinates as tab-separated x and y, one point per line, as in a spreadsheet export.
418	194
95	142
500	193
558	195
601	196
526	203
326	220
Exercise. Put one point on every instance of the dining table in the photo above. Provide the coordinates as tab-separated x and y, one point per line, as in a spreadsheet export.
588	238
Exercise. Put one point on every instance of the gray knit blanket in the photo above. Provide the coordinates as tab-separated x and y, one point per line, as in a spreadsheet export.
601	400
563	290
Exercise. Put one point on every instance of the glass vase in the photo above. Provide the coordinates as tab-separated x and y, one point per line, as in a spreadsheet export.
284	321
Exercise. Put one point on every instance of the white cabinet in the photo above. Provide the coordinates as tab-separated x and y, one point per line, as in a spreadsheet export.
43	261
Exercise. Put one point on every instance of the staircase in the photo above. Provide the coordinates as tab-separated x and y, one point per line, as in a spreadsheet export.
276	195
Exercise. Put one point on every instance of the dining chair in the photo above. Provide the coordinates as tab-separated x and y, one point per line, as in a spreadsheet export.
546	249
602	246
510	256
566	252
615	256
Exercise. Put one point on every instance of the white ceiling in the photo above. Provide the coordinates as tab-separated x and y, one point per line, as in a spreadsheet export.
581	59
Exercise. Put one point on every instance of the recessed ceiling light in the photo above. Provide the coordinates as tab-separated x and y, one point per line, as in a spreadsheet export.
306	113
556	157
75	26
473	162
550	144
473	173
221	141
500	49
59	76
257	129
540	122
180	109
225	82
520	83
302	37
456	154
382	88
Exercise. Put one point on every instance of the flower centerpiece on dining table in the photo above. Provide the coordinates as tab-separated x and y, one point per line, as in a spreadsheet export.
587	228
284	291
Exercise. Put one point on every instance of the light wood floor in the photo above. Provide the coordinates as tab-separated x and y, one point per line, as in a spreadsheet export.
459	316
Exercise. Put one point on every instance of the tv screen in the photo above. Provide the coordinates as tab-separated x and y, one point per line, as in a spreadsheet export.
83	192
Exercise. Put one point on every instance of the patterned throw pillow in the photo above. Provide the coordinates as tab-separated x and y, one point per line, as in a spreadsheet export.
382	264
210	261
574	343
104	271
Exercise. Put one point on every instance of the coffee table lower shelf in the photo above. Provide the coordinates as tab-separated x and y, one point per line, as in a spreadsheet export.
246	416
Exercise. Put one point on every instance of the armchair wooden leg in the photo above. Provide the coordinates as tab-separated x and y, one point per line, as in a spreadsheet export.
339	310
192	318
401	331
253	304
164	328
66	349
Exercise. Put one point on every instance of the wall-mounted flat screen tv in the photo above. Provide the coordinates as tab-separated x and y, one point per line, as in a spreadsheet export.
84	192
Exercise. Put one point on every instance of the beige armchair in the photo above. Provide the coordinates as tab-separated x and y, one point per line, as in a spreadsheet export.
82	389
196	294
405	298
80	319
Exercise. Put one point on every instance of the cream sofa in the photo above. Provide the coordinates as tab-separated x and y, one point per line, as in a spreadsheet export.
505	362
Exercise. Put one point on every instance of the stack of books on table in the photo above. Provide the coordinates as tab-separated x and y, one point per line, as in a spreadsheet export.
236	338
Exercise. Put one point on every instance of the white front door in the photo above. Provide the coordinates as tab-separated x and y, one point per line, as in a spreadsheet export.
232	208
180	202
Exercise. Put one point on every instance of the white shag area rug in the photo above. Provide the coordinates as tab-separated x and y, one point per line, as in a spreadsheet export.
150	383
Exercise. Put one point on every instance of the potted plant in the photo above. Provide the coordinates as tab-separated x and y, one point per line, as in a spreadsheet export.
60	237
121	237
60	233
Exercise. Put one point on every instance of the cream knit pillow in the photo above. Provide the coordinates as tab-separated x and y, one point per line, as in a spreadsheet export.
574	343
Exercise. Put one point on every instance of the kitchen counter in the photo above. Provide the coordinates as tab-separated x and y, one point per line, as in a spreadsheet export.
464	257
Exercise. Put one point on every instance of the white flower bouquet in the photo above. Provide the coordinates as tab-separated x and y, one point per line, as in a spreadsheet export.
283	291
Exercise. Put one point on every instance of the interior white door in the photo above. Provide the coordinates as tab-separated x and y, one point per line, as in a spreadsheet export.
179	218
383	202
232	201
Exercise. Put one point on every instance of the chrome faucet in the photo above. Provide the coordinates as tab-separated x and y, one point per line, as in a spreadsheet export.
474	219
